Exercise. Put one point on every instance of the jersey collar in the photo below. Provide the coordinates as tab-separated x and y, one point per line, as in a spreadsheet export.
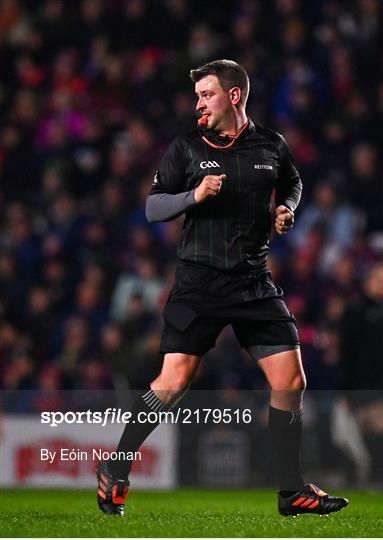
212	138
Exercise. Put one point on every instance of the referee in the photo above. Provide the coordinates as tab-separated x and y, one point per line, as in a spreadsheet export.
222	176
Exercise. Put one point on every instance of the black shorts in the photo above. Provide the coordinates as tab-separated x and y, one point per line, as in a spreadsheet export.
203	301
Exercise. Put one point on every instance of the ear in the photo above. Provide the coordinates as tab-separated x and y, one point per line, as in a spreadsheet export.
235	94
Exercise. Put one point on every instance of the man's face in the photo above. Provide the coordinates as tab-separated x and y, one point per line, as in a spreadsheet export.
213	101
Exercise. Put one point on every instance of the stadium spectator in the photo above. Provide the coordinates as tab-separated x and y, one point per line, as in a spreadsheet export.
362	337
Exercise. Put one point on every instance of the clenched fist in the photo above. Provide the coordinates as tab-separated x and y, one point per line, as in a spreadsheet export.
209	187
284	219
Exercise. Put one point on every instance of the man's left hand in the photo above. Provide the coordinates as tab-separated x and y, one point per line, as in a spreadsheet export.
284	219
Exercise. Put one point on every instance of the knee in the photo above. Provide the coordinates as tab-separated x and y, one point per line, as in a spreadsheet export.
299	383
296	383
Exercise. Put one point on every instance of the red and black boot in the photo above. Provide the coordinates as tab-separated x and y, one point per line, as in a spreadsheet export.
111	491
310	500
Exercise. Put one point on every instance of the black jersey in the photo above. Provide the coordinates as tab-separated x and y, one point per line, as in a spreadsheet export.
231	230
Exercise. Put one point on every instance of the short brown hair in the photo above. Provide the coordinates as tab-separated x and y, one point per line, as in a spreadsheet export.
229	74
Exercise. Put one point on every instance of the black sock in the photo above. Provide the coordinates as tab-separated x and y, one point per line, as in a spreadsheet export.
286	435
136	432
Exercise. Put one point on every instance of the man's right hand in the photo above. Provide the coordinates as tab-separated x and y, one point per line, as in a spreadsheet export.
209	187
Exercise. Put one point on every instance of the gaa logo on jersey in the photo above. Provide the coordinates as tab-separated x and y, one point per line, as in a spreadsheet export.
208	164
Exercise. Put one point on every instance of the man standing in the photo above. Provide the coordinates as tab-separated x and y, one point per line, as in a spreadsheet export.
222	176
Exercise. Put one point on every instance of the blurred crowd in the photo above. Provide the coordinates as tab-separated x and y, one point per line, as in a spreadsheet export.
91	93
